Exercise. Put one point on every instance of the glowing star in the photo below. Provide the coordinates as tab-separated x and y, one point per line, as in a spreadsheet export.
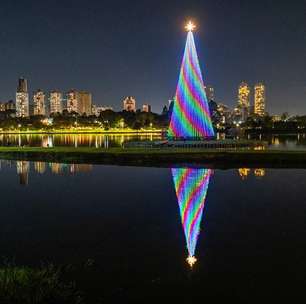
190	27
191	260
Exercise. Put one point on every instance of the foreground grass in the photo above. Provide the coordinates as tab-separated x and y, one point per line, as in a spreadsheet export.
42	285
164	157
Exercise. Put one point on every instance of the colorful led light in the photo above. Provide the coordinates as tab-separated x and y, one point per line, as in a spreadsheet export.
191	188
190	116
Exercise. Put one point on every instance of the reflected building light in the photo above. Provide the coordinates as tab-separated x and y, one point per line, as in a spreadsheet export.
259	148
40	167
275	141
191	187
106	142
244	173
47	142
56	168
259	173
23	168
82	168
122	140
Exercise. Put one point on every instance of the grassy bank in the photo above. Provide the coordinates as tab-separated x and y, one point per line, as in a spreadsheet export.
164	157
45	284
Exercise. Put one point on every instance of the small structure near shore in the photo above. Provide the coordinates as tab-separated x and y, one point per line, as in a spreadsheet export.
202	144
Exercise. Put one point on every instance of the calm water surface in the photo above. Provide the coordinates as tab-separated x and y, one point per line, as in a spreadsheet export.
135	228
292	142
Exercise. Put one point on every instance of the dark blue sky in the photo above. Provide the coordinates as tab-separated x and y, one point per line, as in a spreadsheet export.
119	48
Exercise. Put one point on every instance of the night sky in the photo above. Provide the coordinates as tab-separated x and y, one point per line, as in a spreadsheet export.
119	48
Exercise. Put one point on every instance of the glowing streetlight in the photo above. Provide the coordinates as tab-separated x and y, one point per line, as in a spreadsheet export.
190	26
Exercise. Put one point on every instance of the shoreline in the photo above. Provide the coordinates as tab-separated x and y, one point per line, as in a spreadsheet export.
73	132
166	157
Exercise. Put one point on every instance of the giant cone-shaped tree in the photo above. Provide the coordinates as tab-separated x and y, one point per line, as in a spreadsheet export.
190	117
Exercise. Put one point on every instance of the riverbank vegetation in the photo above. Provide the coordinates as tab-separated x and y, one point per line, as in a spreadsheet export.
45	284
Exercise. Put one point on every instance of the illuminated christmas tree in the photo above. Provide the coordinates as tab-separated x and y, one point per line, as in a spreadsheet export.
190	117
191	188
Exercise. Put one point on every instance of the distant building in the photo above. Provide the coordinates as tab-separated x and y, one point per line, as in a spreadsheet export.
10	105
72	101
146	108
22	99
210	93
84	103
225	113
260	99
276	118
39	107
244	94
56	102
129	104
97	110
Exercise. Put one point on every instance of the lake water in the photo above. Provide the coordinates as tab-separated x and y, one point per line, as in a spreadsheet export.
135	227
277	141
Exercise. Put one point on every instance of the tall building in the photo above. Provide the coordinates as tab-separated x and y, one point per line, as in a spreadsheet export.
84	103
56	102
260	99
146	108
72	101
210	93
129	104
244	93
22	99
39	103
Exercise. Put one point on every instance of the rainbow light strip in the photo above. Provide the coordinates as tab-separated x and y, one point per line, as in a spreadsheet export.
191	188
190	116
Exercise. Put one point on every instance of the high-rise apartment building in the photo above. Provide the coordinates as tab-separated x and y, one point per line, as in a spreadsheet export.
244	93
39	106
84	103
260	99
210	93
129	104
72	101
22	99
56	102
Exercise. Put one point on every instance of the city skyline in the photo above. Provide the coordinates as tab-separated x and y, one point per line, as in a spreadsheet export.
90	55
